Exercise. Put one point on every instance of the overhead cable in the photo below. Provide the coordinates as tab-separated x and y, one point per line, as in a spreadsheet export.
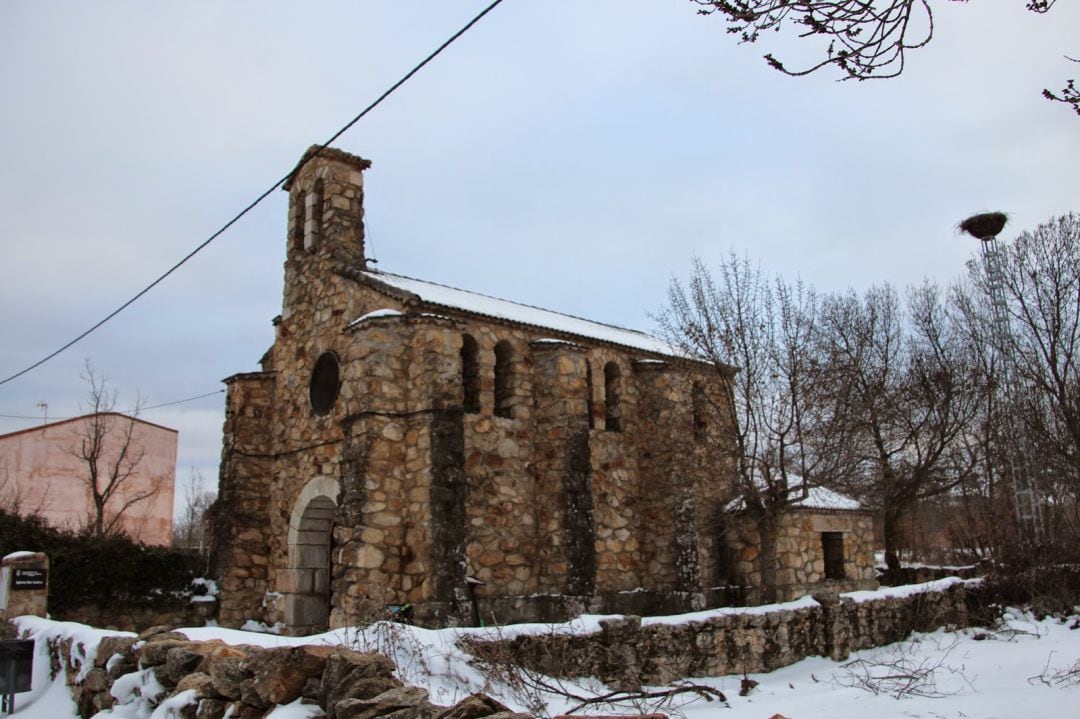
263	196
136	410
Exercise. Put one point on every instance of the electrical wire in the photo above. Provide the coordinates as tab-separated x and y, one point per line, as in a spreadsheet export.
265	194
140	409
181	401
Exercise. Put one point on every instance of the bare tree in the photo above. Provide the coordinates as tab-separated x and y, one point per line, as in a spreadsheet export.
984	519
1042	279
864	39
15	499
911	394
108	443
764	327
191	527
1068	94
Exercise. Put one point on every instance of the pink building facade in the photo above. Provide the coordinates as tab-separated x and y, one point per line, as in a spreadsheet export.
41	472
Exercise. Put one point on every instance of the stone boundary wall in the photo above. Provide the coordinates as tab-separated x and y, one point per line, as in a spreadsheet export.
213	680
135	618
628	651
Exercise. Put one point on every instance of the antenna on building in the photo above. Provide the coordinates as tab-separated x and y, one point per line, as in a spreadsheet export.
985	227
44	407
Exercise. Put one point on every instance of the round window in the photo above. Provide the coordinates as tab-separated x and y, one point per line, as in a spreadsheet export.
325	383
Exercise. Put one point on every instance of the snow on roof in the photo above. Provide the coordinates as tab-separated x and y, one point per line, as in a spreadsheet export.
817	498
822	498
385	312
452	297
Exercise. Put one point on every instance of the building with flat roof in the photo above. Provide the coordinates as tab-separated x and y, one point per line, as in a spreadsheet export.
44	470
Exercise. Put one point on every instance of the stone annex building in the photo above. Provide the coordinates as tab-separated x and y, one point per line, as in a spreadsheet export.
408	443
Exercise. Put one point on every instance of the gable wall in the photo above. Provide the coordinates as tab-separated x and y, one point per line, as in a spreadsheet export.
41	473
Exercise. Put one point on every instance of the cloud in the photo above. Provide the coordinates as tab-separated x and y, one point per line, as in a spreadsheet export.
569	155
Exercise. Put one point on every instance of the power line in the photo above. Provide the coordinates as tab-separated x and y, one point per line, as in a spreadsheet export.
181	401
265	194
140	409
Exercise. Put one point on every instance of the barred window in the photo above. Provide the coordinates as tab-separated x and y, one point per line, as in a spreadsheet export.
832	544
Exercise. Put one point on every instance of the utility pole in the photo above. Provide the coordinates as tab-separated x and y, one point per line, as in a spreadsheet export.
985	228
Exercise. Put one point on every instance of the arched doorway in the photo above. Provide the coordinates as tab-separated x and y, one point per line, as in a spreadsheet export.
307	590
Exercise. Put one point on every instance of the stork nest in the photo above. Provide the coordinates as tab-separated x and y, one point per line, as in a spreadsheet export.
984	226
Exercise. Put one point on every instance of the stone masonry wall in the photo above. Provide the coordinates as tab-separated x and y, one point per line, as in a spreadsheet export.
564	527
212	680
629	652
173	676
800	557
617	492
240	517
163	612
500	523
588	486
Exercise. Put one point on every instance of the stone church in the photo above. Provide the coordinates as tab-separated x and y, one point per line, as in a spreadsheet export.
408	446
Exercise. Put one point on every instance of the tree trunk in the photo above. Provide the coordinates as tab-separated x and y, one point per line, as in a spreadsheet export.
767	529
892	543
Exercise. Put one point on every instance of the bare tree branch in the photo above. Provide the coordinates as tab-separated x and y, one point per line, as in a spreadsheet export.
765	327
865	39
110	446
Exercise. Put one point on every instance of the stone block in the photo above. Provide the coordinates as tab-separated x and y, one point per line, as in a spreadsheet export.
354	675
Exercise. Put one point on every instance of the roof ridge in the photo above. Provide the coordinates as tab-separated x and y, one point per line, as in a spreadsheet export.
513	302
68	420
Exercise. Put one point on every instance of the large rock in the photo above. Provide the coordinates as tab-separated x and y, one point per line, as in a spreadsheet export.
181	661
116	656
212	709
354	675
228	671
473	706
201	683
399	703
96	680
155	653
159	632
279	674
109	647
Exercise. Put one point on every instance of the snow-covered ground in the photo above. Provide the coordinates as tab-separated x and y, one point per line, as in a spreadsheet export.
1018	670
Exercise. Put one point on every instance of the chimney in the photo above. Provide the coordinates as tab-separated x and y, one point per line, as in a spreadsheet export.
326	207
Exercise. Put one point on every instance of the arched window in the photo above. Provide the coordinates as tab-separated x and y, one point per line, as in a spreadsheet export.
612	397
470	374
299	210
588	394
697	400
325	383
504	379
313	226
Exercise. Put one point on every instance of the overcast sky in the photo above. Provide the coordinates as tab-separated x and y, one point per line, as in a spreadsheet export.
572	154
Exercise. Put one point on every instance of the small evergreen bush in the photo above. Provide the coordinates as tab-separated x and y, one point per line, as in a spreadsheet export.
85	570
